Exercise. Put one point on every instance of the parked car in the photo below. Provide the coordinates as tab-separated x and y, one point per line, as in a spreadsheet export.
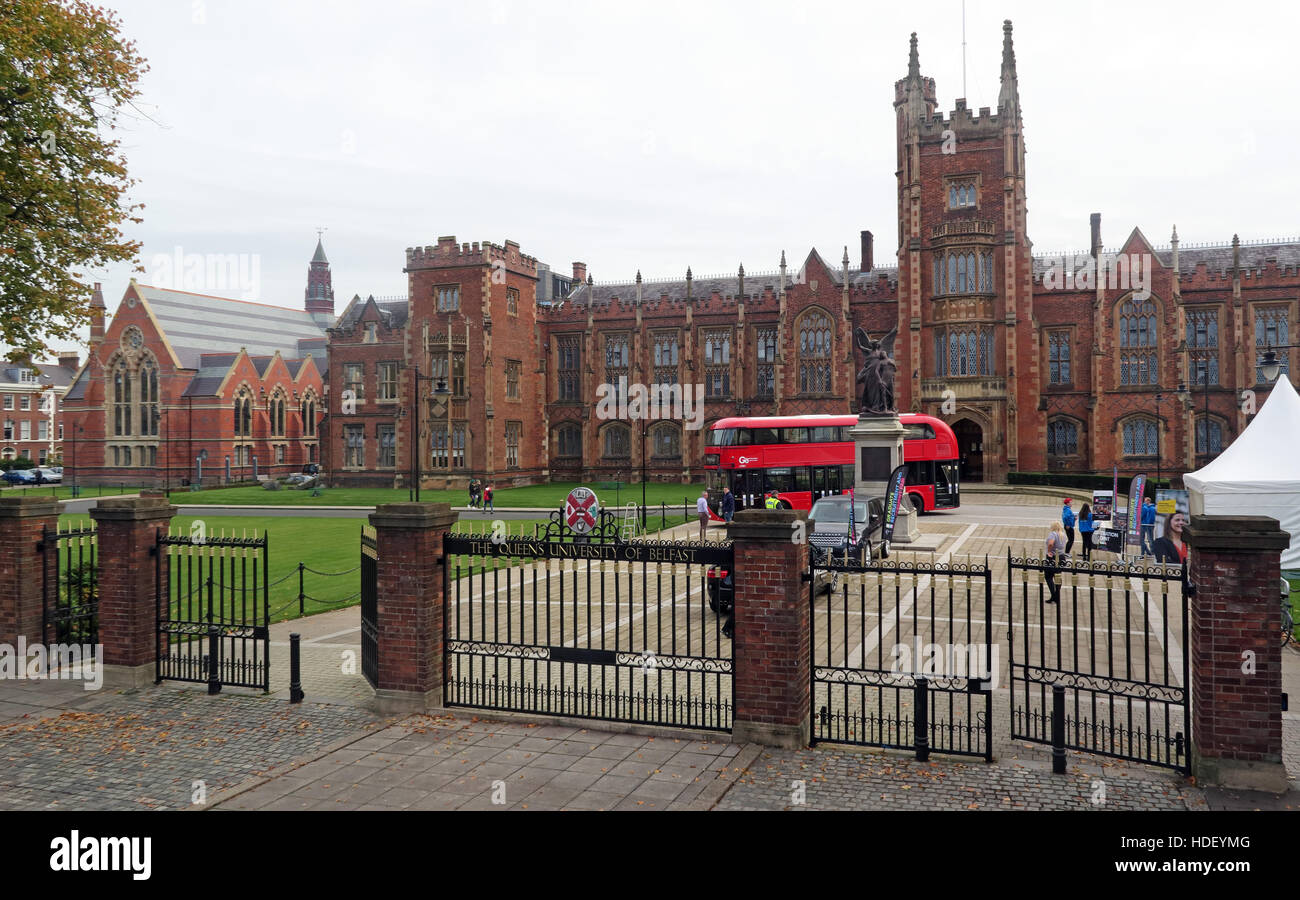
20	476
830	537
311	469
47	475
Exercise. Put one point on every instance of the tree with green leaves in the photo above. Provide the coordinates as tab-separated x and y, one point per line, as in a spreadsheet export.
66	73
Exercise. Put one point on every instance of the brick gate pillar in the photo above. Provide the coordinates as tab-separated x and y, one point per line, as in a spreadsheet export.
1236	657
771	645
408	539
127	529
23	520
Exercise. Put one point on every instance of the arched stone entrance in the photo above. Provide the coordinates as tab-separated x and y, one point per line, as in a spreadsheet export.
970	446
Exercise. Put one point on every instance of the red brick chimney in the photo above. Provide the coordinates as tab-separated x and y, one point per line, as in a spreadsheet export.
579	272
867	263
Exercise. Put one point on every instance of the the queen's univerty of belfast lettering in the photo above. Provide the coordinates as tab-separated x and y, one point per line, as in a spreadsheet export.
638	552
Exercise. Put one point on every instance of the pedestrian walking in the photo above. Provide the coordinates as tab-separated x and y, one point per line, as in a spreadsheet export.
728	505
1086	528
473	492
487	498
1148	527
702	507
1068	520
1054	547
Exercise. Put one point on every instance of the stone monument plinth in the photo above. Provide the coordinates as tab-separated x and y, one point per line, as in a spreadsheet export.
878	450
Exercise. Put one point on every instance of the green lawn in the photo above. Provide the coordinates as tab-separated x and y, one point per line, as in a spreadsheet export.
328	549
64	492
541	496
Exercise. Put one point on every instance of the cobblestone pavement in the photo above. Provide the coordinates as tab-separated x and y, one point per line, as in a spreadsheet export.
64	748
834	778
462	762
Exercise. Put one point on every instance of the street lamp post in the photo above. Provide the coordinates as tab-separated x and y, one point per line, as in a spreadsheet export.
1271	367
644	431
440	390
1159	428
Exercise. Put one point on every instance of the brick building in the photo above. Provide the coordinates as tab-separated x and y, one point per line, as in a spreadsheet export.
178	375
31	408
470	328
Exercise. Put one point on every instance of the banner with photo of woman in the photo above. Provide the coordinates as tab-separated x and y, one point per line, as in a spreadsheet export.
1171	518
1168	503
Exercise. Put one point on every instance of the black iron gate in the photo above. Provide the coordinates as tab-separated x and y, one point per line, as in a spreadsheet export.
369	606
589	626
213	610
903	656
1104	668
70	586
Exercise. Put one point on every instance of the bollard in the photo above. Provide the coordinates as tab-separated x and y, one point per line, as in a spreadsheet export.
921	701
214	660
295	669
300	593
1058	729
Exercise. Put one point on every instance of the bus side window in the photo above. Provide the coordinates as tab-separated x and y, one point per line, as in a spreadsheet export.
802	478
764	436
744	437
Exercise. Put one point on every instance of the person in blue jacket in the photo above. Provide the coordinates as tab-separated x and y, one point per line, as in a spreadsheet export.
1086	527
728	505
1148	527
1067	520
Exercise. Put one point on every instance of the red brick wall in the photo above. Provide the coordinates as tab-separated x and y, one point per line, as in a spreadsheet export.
772	633
23	521
410	588
127	533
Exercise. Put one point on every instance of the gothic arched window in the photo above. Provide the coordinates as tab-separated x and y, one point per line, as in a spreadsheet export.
814	353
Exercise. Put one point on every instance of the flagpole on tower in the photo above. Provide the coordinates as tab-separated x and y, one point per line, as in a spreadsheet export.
963	48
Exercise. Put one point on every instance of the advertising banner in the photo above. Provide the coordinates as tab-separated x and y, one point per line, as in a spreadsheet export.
1133	531
893	501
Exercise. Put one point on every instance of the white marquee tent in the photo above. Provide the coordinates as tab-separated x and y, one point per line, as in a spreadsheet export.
1259	473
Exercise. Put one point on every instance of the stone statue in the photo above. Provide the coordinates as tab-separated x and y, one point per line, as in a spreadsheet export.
877	375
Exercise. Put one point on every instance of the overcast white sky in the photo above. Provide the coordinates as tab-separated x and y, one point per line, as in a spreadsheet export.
659	135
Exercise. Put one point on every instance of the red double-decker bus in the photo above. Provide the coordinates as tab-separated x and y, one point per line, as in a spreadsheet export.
803	458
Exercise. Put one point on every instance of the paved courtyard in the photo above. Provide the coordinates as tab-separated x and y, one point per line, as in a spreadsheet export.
155	748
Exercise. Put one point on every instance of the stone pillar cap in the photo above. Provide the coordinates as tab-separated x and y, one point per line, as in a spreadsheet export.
126	509
764	524
413	515
1235	533
25	507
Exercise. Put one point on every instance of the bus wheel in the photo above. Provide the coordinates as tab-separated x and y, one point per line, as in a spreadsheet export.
917	503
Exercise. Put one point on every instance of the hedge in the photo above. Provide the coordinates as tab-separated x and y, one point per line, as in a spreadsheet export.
21	462
1082	481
